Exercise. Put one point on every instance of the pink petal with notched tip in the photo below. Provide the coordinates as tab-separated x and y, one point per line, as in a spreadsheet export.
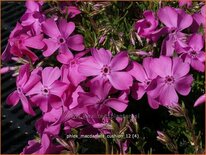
168	16
58	88
26	105
66	28
179	68
55	101
13	98
35	42
120	80
162	66
76	42
183	85
51	46
116	104
89	67
168	96
49	75
196	42
102	56
50	28
120	61
137	71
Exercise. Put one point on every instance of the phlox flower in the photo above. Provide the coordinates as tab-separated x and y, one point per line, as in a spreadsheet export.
193	53
33	17
24	82
60	37
172	78
175	20
99	91
103	66
20	42
146	80
71	66
48	92
147	27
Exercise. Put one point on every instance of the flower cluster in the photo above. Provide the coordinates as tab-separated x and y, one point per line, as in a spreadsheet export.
88	85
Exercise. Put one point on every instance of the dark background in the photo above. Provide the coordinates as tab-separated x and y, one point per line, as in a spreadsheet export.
17	127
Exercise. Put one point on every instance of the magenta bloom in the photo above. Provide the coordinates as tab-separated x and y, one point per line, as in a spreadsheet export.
200	100
193	54
33	17
48	92
147	27
188	3
175	20
71	66
146	81
103	66
19	43
24	83
99	91
60	37
172	76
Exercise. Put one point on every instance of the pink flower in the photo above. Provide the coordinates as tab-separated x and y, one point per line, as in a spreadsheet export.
24	83
33	17
185	2
147	27
103	66
146	80
172	76
200	100
71	66
175	20
48	92
19	43
59	37
193	53
99	91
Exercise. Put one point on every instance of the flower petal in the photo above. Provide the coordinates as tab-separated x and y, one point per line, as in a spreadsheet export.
51	46
120	80
35	42
196	42
162	66
49	75
66	28
179	68
58	88
102	56
116	104
184	84
76	42
137	71
13	98
88	67
50	28
152	102
120	61
55	101
168	96
168	16
26	105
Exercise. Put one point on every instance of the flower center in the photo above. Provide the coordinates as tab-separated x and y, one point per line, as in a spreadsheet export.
193	54
61	40
105	70
169	80
45	91
148	24
147	82
19	90
73	62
